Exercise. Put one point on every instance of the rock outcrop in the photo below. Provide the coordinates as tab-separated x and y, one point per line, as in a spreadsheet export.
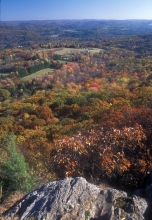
76	199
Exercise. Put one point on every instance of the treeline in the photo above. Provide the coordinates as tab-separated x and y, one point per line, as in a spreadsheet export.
32	69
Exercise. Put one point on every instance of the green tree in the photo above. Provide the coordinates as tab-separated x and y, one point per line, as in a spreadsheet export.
14	171
4	94
22	73
12	91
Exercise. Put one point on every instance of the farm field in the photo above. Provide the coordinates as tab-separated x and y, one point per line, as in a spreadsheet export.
39	73
4	74
72	50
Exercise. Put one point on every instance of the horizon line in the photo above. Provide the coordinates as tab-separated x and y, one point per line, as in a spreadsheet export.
80	19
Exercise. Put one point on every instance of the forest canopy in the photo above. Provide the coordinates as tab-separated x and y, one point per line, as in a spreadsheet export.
77	105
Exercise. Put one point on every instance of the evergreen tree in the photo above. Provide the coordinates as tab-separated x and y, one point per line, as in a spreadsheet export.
14	171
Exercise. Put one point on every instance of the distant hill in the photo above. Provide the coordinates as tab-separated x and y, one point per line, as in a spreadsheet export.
15	33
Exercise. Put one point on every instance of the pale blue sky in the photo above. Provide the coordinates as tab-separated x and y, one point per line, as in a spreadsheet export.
75	9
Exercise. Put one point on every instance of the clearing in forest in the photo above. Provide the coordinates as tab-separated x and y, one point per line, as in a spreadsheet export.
4	74
38	73
74	50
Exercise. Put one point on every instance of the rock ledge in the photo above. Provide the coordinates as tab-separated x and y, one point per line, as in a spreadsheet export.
76	199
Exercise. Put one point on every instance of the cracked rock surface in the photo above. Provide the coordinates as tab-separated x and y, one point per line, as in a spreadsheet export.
76	199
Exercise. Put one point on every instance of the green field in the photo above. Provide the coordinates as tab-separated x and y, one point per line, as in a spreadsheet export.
4	74
39	73
73	50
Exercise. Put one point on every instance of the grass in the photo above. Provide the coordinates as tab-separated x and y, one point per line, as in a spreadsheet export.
123	203
39	73
4	74
73	50
61	61
8	202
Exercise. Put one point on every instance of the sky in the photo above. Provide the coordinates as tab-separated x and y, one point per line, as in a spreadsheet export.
13	10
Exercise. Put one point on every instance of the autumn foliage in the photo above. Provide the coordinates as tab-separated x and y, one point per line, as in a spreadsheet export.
91	116
120	155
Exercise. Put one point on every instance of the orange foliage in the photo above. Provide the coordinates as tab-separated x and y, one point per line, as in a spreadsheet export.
44	112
